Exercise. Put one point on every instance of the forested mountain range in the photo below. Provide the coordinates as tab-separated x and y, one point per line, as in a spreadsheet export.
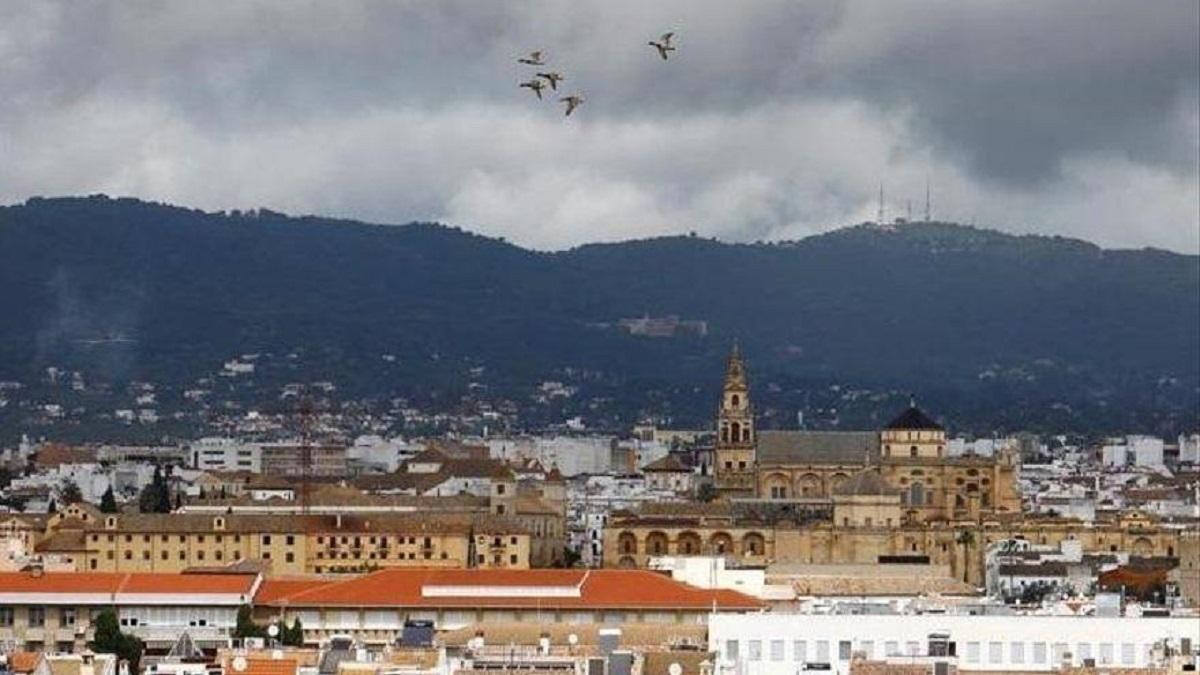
993	330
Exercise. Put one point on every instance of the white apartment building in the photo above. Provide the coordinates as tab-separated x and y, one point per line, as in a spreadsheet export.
782	644
225	454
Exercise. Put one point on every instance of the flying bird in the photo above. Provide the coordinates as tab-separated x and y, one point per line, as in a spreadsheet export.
534	59
663	45
553	78
572	102
535	85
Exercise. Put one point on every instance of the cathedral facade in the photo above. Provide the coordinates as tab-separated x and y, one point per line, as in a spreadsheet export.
909	455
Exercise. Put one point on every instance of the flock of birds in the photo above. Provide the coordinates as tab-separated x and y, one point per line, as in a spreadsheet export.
551	78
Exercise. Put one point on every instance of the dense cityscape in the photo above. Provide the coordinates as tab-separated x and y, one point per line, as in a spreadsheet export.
600	337
649	548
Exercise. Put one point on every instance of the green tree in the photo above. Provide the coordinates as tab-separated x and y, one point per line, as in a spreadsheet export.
155	497
110	640
294	636
69	492
965	539
51	506
245	626
108	501
706	493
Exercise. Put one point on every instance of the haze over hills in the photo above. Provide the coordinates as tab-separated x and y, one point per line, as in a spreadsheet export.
993	331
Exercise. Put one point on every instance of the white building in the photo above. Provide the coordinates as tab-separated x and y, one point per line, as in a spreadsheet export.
782	644
225	454
1189	449
572	455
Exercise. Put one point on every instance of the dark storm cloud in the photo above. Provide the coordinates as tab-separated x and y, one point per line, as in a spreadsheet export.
774	119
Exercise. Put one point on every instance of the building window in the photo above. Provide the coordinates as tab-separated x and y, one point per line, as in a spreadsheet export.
6	615
66	616
731	648
777	650
822	651
37	617
1128	652
754	650
512	559
266	540
1016	652
1039	652
290	540
844	650
289	557
799	650
995	652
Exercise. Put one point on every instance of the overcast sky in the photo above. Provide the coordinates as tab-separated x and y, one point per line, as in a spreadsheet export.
772	120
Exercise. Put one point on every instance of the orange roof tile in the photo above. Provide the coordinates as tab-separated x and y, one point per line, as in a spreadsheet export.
264	666
120	582
597	589
23	662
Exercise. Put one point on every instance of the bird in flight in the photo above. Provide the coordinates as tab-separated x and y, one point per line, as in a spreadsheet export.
573	101
553	78
534	59
663	45
535	85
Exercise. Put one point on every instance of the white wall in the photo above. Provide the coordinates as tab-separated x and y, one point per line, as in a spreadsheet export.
977	639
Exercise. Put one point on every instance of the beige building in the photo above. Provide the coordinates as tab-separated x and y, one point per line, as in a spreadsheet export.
761	533
286	544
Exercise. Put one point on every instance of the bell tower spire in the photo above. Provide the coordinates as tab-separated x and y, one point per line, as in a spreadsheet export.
734	452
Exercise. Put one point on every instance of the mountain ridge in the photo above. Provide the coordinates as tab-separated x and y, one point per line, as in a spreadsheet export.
1020	321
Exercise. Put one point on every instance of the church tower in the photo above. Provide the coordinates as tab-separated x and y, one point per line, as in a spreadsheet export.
734	452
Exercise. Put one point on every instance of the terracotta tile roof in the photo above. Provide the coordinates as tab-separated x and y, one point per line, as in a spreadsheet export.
263	666
386	523
66	541
120	582
597	589
23	662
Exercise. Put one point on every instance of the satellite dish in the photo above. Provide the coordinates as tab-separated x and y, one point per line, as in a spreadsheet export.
273	630
675	669
239	663
573	639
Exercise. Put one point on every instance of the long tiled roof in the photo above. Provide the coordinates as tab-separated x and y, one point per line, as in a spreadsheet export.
548	589
116	583
202	523
782	448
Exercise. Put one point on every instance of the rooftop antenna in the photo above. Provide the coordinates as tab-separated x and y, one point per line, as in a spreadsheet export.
927	211
879	215
908	208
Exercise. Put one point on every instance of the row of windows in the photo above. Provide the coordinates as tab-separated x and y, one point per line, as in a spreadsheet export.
290	540
36	616
1016	653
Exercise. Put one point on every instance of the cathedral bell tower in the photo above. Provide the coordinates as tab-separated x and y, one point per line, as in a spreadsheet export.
734	452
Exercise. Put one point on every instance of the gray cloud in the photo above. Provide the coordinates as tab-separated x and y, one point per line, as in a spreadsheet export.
776	119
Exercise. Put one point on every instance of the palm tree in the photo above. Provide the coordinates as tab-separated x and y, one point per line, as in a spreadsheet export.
965	538
1009	547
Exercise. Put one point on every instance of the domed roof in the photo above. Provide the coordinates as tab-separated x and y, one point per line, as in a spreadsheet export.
914	419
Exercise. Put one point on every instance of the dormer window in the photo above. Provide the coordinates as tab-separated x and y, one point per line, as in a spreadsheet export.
111	523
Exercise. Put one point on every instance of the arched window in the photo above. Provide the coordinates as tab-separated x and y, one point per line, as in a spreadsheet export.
735	400
916	493
736	432
912	451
